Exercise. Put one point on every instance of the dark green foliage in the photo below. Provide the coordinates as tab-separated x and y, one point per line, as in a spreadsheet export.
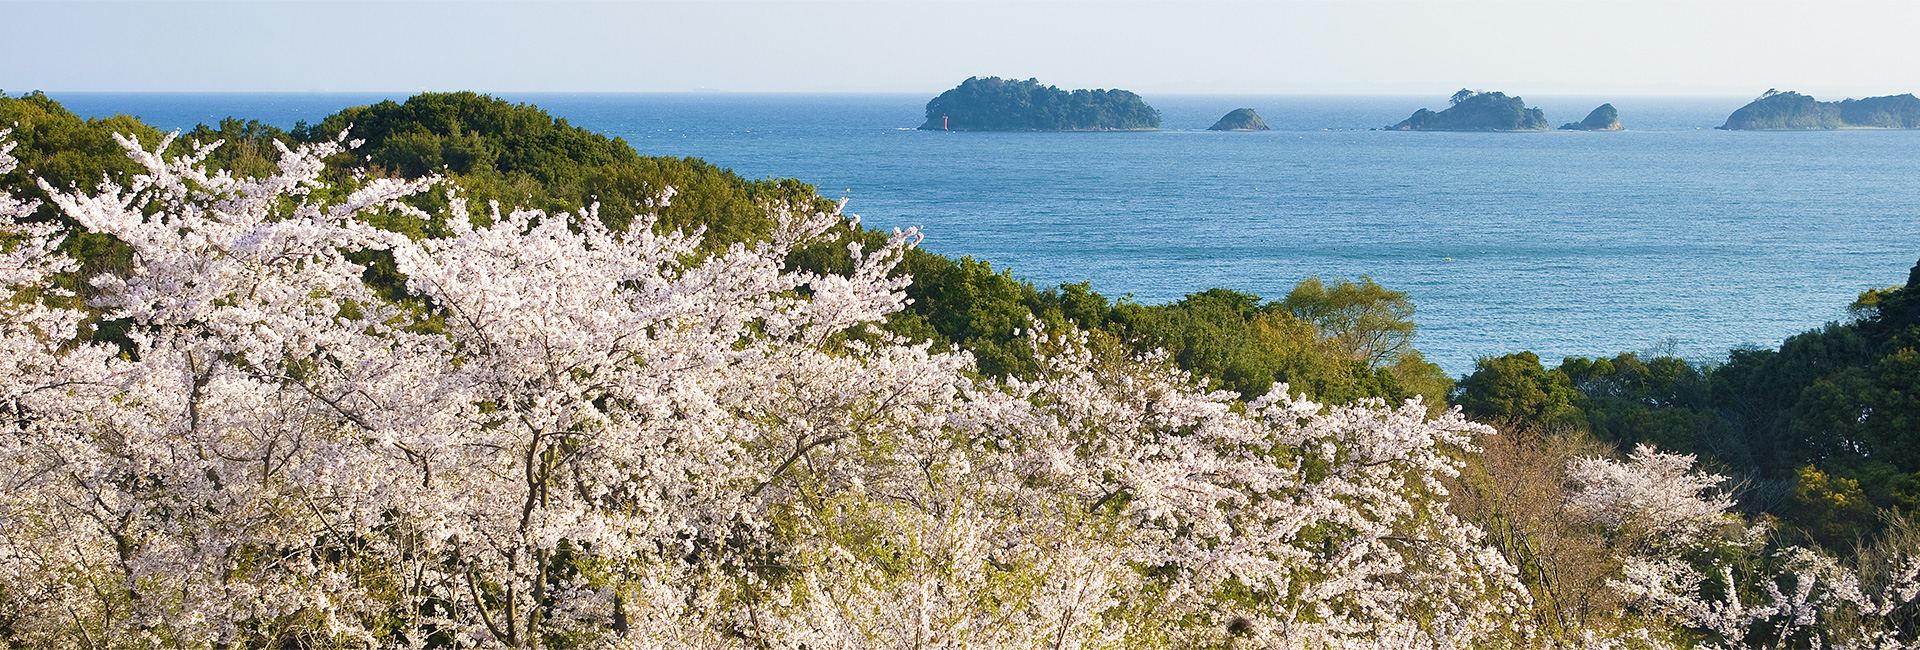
1777	110
970	305
1516	388
1788	110
995	104
1317	340
247	147
520	156
1889	112
62	148
1212	333
1831	419
1248	346
1241	119
465	131
1604	118
1760	392
1664	401
1477	111
1236	341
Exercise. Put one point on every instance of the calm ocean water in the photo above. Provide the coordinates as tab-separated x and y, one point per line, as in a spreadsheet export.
1667	236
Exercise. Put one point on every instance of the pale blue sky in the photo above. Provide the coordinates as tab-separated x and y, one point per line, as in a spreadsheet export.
1828	48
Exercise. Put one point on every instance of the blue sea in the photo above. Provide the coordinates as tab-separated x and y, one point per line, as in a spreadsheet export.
1669	237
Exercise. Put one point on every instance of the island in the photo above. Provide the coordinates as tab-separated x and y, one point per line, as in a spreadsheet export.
1477	111
995	104
1241	119
1792	111
1604	118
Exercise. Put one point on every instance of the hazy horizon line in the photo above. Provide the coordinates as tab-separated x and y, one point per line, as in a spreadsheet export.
844	92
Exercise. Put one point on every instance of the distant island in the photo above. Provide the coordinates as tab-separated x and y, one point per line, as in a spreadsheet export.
1792	111
1241	119
995	104
1604	118
1477	111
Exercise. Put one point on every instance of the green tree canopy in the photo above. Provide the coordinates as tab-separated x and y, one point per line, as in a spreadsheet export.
1477	111
1367	322
1516	388
995	104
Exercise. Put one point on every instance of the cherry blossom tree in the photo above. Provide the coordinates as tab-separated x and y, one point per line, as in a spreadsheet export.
178	491
1689	560
565	435
46	387
1112	503
1655	502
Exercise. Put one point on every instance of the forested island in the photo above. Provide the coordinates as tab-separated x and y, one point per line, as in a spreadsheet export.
1239	119
1792	111
1477	111
995	104
486	379
1604	118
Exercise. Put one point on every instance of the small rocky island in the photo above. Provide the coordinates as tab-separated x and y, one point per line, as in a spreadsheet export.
1604	118
1477	111
995	104
1792	111
1241	119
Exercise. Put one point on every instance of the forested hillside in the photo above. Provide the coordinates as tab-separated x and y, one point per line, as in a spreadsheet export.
1825	429
1470	110
1775	110
995	104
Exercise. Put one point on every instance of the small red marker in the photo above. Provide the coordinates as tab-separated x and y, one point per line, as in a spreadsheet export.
943	123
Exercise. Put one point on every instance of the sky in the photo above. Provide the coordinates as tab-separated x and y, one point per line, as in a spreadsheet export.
1827	48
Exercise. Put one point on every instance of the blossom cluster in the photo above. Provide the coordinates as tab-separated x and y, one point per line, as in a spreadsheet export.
1686	558
556	434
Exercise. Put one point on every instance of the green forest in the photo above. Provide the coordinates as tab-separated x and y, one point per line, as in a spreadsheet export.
1471	110
1792	111
995	104
1824	431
